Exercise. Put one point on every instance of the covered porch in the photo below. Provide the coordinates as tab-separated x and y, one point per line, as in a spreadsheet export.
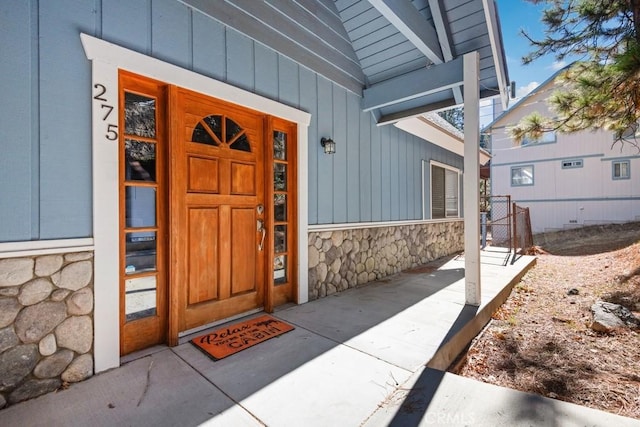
351	360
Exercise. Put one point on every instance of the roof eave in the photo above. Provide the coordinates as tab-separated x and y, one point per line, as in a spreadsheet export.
497	48
437	135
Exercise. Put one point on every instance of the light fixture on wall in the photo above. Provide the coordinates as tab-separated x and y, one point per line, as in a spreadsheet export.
328	145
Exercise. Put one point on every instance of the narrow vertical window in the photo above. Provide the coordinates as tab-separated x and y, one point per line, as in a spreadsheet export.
283	213
141	207
281	217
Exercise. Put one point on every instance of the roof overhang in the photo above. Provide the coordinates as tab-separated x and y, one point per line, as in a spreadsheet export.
438	135
452	30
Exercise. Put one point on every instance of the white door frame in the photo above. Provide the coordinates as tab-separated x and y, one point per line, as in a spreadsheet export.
106	59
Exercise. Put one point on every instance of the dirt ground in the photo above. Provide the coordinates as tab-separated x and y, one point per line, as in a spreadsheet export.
540	340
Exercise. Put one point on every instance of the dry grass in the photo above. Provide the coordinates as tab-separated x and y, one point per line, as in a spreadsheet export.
539	341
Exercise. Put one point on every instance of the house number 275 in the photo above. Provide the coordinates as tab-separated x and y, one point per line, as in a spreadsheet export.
107	108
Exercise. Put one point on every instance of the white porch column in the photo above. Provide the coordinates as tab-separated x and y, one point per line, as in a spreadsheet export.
471	178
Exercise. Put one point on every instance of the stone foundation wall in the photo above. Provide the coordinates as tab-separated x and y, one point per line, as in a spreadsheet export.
46	323
342	259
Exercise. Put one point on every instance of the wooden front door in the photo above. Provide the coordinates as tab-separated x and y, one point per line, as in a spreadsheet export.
217	211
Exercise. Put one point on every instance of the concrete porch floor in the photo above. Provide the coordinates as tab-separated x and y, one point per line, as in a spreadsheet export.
370	356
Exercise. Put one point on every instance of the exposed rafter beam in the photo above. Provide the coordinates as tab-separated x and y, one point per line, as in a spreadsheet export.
415	84
493	26
402	114
413	112
405	17
443	32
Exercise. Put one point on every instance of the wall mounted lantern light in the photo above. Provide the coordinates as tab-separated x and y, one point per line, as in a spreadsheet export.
328	145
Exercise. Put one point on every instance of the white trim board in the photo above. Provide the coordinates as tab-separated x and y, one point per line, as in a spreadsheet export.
428	131
360	225
107	58
44	247
120	57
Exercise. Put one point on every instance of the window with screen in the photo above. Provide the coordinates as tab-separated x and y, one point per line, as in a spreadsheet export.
445	192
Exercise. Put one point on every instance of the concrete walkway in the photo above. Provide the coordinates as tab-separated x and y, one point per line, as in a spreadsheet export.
369	356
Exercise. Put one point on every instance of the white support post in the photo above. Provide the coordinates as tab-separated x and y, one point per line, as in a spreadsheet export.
471	179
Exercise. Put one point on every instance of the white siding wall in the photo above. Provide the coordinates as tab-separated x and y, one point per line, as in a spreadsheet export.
560	197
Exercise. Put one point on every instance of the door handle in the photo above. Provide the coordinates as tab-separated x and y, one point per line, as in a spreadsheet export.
264	233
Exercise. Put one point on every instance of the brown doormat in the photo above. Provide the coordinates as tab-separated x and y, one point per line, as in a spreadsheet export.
231	339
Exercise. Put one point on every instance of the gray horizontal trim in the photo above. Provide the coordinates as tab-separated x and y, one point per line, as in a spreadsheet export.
404	113
578	199
411	112
412	85
605	159
554	159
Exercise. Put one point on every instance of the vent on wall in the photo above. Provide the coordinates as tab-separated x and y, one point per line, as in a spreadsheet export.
570	164
573	221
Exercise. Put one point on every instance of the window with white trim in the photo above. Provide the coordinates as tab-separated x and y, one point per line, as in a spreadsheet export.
521	175
445	192
621	169
572	164
548	137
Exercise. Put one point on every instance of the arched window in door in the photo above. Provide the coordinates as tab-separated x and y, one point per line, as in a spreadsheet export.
221	131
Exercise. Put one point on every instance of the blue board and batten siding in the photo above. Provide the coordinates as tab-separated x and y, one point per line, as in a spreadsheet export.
45	116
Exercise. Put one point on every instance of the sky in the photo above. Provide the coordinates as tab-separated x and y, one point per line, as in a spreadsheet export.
517	15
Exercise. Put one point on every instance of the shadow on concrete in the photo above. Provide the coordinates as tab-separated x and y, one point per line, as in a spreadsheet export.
413	409
494	255
532	409
537	410
349	352
416	403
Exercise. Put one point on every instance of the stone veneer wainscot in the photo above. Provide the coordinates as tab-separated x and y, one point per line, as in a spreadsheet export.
46	323
342	259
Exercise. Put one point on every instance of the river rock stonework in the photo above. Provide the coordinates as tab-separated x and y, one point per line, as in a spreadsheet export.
46	323
342	259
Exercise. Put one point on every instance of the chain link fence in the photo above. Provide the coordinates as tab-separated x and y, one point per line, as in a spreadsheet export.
505	224
498	217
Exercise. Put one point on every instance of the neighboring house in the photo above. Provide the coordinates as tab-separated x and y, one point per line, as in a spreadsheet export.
162	167
566	180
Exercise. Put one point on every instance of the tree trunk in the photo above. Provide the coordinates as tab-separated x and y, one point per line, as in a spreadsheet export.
634	7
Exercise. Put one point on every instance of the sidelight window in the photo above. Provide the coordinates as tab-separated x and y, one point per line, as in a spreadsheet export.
140	206
280	213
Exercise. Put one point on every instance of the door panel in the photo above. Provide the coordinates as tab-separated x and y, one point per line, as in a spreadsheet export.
203	246
203	175
243	229
243	179
216	182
